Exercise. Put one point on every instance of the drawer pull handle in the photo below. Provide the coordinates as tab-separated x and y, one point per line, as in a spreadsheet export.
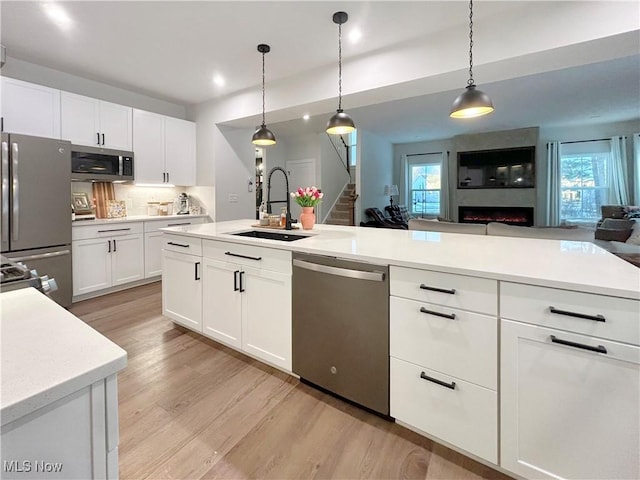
241	282
178	244
599	348
242	256
435	289
595	318
235	280
451	316
451	385
114	230
177	224
197	275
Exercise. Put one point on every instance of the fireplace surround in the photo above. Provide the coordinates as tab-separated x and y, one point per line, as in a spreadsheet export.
522	216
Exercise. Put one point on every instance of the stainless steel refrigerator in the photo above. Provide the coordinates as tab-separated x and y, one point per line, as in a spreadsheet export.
36	207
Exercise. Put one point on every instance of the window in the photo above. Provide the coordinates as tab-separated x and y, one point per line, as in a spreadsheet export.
424	183
584	180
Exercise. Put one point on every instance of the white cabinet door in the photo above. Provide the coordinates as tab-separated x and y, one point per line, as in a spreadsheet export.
30	109
180	151
221	304
182	289
148	147
152	254
116	126
266	315
567	412
80	119
91	265
127	257
92	122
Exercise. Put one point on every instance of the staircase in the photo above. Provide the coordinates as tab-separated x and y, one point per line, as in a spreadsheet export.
342	212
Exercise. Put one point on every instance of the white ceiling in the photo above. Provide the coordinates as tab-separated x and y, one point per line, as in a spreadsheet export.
172	50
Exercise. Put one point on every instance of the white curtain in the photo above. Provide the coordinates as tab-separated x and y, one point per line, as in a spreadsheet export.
553	183
618	189
636	168
445	204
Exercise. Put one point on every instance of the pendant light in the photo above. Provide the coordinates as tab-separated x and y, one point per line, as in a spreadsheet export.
263	136
340	122
471	103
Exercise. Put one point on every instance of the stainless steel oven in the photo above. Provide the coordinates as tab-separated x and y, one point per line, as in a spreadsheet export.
101	164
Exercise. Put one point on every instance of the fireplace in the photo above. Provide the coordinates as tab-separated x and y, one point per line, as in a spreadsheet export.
522	216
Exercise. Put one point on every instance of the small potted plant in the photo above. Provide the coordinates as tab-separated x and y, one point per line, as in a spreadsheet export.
307	198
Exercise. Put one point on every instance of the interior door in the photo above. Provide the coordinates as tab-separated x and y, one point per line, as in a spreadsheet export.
302	173
41	176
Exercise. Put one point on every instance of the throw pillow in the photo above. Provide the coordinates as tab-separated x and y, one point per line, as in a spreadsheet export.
631	212
634	238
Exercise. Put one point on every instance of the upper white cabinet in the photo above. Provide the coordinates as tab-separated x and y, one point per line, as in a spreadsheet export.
164	148
92	122
30	109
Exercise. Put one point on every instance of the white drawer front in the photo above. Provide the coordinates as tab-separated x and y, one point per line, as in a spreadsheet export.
253	256
532	304
154	225
465	416
465	347
182	244
455	291
103	231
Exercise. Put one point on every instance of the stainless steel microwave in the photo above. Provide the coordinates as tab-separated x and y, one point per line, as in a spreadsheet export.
101	164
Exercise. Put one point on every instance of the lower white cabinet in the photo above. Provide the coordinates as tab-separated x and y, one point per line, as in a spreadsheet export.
570	404
182	289
105	262
458	412
153	242
248	308
75	437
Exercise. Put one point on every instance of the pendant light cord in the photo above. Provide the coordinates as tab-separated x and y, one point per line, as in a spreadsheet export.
263	123
470	81
339	67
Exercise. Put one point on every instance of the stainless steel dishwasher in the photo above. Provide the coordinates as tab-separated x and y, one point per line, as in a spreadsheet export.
341	328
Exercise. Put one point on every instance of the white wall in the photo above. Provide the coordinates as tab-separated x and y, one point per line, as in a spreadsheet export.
30	72
375	166
235	164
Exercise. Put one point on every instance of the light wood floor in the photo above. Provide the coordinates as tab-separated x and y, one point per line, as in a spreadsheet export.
191	408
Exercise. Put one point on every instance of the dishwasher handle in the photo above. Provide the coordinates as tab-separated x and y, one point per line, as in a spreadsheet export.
342	272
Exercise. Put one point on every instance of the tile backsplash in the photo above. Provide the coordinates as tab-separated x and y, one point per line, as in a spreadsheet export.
136	198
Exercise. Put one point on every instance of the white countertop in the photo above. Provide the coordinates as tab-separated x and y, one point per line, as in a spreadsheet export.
47	353
133	218
569	265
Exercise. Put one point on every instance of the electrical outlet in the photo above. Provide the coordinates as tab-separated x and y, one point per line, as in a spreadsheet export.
233	198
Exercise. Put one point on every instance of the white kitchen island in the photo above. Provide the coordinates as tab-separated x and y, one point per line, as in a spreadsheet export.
510	350
58	398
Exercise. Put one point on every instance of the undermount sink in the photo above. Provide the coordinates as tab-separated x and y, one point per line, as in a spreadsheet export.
283	237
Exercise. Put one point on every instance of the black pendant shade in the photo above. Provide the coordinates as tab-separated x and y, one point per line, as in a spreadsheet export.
340	123
263	136
471	103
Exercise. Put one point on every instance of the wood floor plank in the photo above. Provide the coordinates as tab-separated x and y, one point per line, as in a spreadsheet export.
191	408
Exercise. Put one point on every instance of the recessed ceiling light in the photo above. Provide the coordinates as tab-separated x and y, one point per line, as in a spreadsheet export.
355	35
58	15
306	116
218	80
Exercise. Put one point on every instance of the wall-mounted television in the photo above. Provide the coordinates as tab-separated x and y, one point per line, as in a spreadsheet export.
503	168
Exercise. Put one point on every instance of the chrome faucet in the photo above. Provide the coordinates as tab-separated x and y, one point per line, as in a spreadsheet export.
289	220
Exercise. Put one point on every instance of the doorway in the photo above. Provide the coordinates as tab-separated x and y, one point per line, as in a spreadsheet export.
302	173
